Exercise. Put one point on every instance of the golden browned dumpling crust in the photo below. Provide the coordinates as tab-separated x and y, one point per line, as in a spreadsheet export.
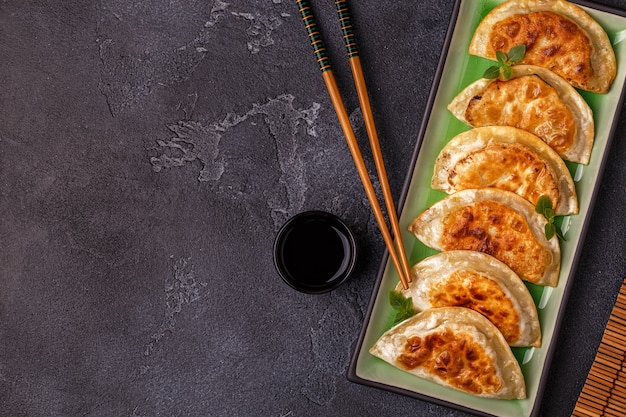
496	222
552	42
509	159
480	293
558	35
507	166
455	358
497	230
480	282
527	103
455	347
536	100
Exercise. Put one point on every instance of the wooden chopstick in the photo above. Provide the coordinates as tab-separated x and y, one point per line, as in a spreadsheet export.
359	81
331	85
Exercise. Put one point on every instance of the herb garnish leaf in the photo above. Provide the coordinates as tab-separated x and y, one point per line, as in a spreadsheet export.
501	57
517	53
505	62
492	72
544	207
403	306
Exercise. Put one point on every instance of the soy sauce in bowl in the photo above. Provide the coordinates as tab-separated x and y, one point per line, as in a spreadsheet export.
314	252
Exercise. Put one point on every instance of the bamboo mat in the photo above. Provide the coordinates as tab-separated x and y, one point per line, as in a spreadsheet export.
604	392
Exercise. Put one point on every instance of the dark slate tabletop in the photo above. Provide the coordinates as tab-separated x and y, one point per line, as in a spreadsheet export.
150	151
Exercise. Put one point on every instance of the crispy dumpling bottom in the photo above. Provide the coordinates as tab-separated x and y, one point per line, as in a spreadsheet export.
455	347
478	281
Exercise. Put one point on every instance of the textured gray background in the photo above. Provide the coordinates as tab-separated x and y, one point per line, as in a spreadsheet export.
149	152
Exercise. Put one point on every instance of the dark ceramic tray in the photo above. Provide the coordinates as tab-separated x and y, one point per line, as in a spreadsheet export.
456	70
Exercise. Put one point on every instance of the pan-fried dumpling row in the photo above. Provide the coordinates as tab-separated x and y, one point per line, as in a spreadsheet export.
533	99
461	278
558	35
455	347
497	222
506	158
473	304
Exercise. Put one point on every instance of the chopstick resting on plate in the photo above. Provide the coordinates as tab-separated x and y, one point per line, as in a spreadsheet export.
397	251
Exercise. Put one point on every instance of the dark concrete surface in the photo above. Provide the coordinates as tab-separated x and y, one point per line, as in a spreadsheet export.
149	152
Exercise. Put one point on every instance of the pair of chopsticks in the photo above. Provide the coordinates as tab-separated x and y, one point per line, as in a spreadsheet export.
397	251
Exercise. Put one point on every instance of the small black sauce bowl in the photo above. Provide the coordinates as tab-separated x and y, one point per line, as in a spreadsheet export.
315	252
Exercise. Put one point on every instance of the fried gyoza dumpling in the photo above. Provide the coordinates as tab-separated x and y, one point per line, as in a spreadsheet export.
509	159
470	279
455	347
558	35
498	223
534	99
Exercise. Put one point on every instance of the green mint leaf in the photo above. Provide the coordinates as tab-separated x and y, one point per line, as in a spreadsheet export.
403	306
507	72
543	203
505	62
396	300
399	317
544	207
492	72
517	53
501	57
403	315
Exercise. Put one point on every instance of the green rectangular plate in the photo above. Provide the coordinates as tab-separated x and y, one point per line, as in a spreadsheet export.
457	69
